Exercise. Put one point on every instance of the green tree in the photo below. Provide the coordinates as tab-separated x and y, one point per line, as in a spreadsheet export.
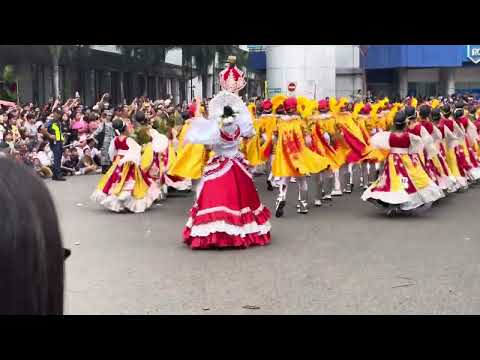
8	90
144	58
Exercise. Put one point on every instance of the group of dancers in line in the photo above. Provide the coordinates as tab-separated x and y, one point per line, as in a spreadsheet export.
410	156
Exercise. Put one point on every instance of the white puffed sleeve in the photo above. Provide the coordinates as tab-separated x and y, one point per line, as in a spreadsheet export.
381	140
428	142
203	131
416	144
134	152
159	141
472	133
458	131
112	151
437	134
450	137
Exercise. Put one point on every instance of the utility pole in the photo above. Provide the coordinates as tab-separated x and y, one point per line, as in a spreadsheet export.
191	78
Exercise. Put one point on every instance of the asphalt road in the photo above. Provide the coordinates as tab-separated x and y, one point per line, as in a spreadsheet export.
343	258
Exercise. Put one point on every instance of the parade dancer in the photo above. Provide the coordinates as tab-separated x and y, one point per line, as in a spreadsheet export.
227	211
154	150
454	156
320	125
124	186
187	167
251	148
447	181
293	158
403	185
352	142
268	123
471	139
432	159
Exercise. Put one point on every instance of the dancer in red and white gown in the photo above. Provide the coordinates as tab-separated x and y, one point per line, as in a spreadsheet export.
227	211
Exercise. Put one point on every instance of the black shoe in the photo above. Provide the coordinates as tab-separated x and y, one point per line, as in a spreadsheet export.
279	208
348	189
269	185
392	211
58	178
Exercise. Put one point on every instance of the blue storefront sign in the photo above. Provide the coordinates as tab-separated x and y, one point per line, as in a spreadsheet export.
274	91
473	53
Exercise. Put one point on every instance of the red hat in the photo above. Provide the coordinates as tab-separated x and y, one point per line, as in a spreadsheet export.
267	105
366	109
290	104
323	106
191	110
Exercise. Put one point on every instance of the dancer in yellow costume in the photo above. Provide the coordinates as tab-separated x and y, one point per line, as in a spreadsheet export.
350	143
293	158
125	186
371	119
190	158
322	127
251	147
268	125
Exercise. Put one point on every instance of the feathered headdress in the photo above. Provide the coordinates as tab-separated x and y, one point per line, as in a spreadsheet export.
343	101
384	102
374	111
277	100
357	108
332	104
414	102
305	107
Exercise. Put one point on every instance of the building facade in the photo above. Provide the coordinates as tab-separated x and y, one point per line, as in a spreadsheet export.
103	69
316	70
422	70
100	70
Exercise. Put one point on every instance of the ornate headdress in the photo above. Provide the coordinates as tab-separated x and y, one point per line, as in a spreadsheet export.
206	131
232	78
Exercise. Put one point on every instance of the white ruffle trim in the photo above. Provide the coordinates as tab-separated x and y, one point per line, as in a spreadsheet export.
222	226
448	183
140	205
178	185
125	200
230	211
407	201
475	173
461	182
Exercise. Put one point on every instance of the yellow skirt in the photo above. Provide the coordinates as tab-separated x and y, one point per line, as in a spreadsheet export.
293	157
189	162
252	151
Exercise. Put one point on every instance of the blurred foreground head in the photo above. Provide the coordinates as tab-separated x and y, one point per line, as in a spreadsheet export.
31	252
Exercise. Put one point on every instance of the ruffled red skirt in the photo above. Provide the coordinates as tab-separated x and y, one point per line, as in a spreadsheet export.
228	211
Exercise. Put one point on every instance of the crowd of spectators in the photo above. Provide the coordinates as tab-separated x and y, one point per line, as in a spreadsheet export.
22	127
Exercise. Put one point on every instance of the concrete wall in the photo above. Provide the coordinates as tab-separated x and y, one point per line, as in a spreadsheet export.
311	67
347	56
468	74
348	85
423	75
